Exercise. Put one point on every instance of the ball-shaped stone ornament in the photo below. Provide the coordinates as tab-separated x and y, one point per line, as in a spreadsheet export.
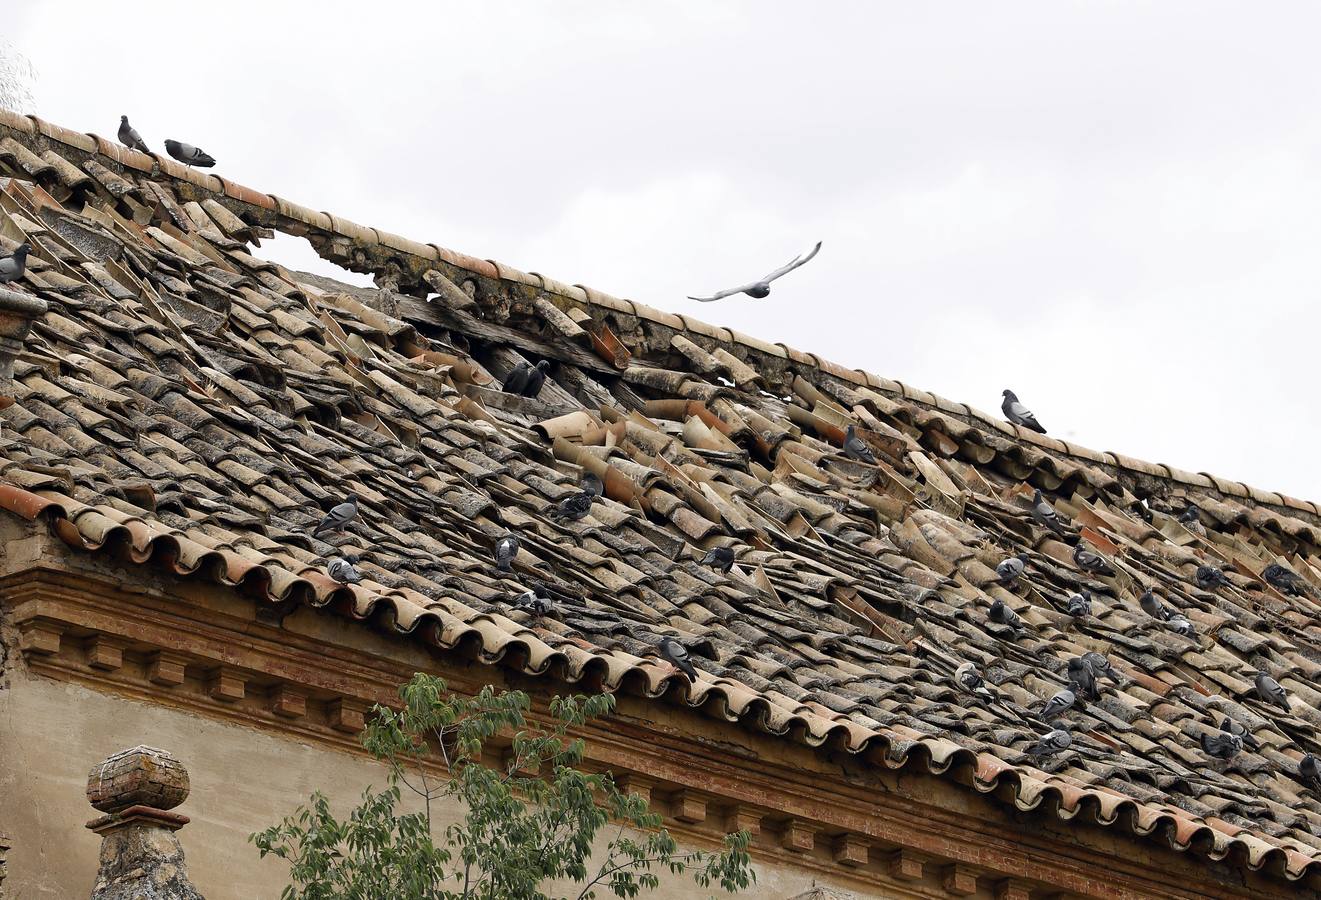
140	776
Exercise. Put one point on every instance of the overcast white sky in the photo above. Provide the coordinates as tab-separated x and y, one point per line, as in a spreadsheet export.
1113	207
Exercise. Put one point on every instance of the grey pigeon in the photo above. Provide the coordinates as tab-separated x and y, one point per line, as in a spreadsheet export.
1232	726
1271	691
1100	665
573	507
1045	514
1091	561
719	558
591	484
340	515
1010	569
1309	769
129	137
762	288
1221	745
1062	702
677	654
1191	514
505	550
536	379
1083	680
189	155
344	569
1080	604
1180	624
856	448
1057	740
1283	580
971	681
15	264
1001	614
1152	606
534	603
1018	413
1209	578
517	378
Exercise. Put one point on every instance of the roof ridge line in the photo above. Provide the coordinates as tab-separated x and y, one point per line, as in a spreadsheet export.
271	209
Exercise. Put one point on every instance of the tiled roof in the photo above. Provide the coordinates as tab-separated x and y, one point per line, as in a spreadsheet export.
184	403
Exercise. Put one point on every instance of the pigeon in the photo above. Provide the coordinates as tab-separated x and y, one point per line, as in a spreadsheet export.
1283	580
1062	702
1270	691
574	507
1080	604
1221	745
1002	615
1231	726
1309	769
189	155
525	380
677	654
15	264
1180	624
1190	515
340	515
536	379
1209	578
1009	570
719	558
344	569
1091	561
1152	606
129	137
1018	413
505	550
968	677
1045	514
762	288
1100	665
1057	740
1082	680
591	484
534	603
856	448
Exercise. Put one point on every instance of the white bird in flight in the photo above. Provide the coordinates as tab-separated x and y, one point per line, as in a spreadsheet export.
759	289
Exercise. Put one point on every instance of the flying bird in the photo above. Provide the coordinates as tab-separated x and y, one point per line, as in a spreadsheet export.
15	264
129	137
856	448
534	603
1152	606
677	654
189	155
340	515
1283	580
1062	702
1080	604
1209	578
505	550
1001	614
344	569
1100	665
1082	680
1180	624
1231	726
719	558
1045	514
762	288
1270	691
1091	561
1010	569
1221	745
1018	413
1057	740
971	681
525	380
1309	769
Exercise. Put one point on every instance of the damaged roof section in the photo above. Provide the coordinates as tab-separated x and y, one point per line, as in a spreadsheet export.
183	402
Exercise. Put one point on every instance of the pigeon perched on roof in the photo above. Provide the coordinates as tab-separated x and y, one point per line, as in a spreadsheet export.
677	654
1001	614
1271	691
189	155
856	448
129	137
1045	514
1221	745
1018	413
1062	702
1192	513
1152	606
344	569
1057	740
1080	604
971	681
340	515
1309	769
505	550
762	288
1209	578
1100	665
719	558
15	264
534	603
1083	680
1283	580
1091	561
1010	569
1181	624
1234	727
577	506
525	380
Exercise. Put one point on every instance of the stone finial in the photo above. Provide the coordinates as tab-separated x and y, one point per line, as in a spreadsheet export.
140	854
16	314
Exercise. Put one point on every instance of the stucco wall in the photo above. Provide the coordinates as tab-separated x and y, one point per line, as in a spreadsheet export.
52	733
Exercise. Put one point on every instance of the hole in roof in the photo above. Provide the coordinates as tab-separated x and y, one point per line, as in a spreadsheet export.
296	254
